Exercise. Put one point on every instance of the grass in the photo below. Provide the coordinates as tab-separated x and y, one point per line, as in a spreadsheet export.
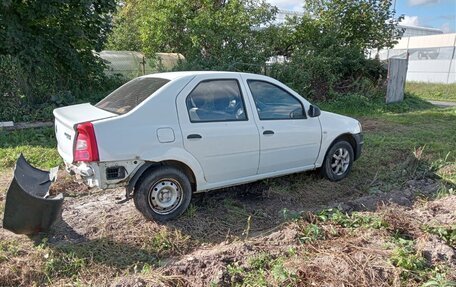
261	270
407	141
366	105
37	145
428	91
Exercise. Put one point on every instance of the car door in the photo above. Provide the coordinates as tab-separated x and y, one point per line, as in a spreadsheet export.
218	128
289	139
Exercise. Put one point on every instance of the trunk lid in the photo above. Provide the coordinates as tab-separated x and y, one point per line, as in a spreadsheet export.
66	119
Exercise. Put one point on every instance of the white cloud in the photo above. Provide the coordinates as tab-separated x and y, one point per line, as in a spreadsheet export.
446	28
410	21
422	2
294	5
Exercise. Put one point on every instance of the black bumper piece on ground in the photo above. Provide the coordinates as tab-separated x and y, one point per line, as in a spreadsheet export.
28	207
359	140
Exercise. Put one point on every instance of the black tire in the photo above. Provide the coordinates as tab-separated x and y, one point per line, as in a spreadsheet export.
159	187
337	169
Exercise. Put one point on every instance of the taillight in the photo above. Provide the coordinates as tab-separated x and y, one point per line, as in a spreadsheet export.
86	148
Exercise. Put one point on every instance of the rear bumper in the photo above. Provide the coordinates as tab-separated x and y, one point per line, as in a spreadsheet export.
104	174
85	171
359	140
30	208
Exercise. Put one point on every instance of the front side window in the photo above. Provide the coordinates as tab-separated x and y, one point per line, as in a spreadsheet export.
274	103
215	101
127	97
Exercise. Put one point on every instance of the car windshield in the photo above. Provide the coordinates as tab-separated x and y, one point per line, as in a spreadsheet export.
128	96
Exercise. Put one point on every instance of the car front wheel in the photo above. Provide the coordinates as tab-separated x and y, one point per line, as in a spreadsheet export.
164	193
338	161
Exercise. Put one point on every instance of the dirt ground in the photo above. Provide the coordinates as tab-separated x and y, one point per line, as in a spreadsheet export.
227	227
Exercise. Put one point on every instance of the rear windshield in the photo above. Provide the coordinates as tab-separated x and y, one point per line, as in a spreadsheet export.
125	98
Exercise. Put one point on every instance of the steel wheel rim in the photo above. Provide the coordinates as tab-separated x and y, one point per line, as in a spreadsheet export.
340	161
165	196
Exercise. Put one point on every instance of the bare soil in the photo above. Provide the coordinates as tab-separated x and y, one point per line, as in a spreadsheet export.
227	227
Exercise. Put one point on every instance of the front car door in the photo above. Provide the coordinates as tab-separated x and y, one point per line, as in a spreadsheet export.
289	139
218	127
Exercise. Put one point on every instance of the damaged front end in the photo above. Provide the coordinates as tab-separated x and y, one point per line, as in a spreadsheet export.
29	207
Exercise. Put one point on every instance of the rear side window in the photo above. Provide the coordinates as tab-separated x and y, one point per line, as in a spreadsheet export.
216	101
125	98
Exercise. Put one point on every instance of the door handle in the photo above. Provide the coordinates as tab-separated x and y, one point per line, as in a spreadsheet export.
194	136
268	132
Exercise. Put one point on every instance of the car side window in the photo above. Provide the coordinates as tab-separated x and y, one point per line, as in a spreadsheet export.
216	101
274	103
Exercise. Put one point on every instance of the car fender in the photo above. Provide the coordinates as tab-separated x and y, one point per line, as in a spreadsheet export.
334	126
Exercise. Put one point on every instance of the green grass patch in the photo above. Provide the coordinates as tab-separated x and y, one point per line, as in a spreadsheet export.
37	145
408	145
261	270
366	105
438	92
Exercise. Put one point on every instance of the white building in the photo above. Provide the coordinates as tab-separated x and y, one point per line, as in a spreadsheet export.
432	58
412	31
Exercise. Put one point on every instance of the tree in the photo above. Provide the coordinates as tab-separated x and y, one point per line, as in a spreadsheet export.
366	24
208	33
53	42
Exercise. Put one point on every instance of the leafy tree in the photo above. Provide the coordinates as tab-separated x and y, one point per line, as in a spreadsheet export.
53	42
319	63
210	34
367	24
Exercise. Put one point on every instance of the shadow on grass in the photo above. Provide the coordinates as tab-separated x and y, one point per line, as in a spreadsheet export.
243	212
71	248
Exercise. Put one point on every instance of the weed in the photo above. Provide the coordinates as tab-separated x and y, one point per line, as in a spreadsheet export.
439	280
191	210
311	233
353	220
290	214
262	270
406	257
8	249
247	228
445	191
161	242
445	168
448	234
60	264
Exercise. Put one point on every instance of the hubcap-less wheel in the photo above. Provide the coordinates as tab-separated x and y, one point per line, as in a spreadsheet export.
340	161
165	196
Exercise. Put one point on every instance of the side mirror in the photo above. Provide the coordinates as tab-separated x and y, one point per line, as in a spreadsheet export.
314	111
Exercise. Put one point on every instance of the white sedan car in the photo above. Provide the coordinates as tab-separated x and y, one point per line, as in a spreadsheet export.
166	136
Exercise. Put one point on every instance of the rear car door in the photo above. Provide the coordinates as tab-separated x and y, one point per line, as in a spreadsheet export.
217	127
289	139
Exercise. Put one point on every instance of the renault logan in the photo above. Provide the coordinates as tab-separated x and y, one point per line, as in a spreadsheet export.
166	136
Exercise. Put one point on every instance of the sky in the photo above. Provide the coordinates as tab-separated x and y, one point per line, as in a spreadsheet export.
439	14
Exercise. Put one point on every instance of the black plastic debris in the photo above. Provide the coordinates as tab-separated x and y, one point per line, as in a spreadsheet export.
29	208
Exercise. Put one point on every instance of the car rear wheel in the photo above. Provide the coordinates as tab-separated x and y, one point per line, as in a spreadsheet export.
163	194
338	161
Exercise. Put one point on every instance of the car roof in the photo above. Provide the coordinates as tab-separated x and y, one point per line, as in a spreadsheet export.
176	75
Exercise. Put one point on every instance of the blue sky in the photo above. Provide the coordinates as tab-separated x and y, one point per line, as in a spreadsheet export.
439	14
